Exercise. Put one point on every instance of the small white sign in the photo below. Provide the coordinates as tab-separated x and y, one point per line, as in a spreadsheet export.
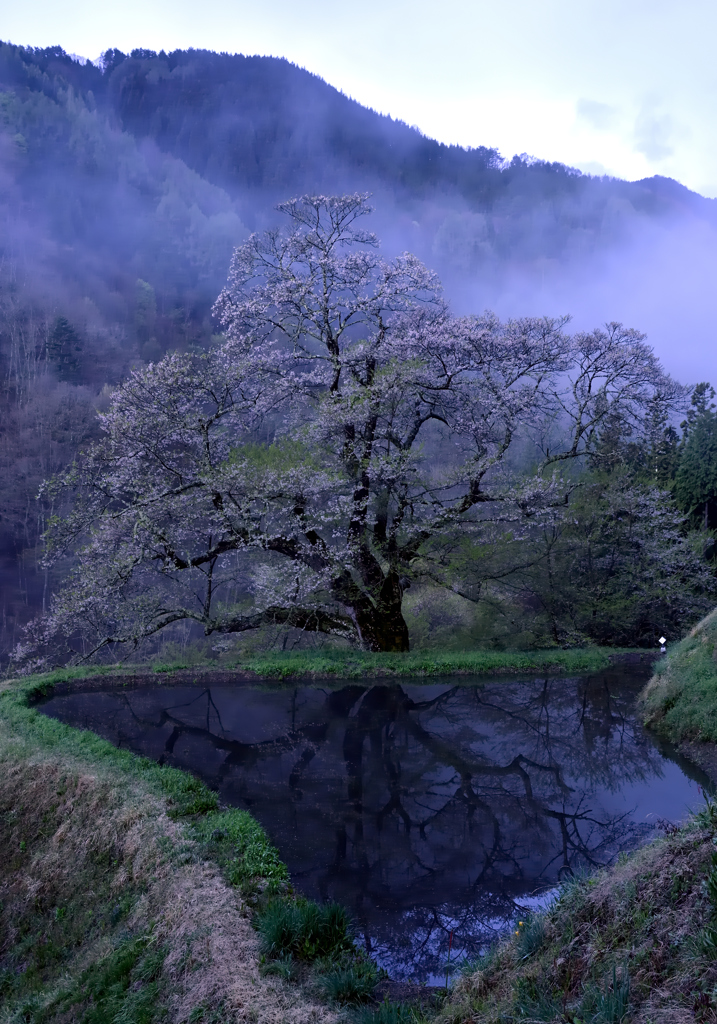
663	639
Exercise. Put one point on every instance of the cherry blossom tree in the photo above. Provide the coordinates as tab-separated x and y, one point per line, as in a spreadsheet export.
319	459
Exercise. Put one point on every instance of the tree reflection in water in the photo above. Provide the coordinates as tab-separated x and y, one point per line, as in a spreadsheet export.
423	808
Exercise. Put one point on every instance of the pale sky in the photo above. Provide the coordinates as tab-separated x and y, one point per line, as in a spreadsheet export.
624	87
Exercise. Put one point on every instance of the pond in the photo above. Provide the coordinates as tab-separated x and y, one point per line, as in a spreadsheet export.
452	806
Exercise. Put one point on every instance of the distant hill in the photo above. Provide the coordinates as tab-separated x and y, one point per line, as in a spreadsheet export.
154	165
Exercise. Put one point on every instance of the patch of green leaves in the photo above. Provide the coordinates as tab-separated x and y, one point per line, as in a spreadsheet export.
707	816
533	999
284	966
711	883
707	942
608	1006
389	1013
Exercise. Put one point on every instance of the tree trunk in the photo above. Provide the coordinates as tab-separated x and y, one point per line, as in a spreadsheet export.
383	627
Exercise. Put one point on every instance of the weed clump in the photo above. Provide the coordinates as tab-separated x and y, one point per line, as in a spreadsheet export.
350	985
303	929
389	1013
609	1006
531	935
311	942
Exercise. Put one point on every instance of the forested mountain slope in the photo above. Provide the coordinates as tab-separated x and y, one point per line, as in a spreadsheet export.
124	188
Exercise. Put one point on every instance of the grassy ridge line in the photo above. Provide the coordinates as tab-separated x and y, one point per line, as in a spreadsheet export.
680	701
357	664
113	904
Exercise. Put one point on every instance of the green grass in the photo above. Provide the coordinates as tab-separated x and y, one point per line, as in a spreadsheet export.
349	664
354	664
303	929
239	844
610	1005
390	1013
121	988
83	947
530	935
185	794
350	985
680	700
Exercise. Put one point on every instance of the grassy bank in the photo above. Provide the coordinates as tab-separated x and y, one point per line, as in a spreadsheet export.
125	890
129	897
681	698
637	943
352	664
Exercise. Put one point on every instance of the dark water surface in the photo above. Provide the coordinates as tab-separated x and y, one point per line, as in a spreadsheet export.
423	808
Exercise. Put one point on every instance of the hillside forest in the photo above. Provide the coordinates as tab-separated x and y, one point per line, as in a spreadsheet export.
126	187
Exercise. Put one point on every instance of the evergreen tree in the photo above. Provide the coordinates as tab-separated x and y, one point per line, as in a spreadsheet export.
696	478
64	350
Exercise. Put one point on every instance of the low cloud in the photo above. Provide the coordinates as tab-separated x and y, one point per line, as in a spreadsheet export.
601	116
655	132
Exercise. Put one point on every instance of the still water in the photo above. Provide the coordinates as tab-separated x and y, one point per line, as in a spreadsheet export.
422	808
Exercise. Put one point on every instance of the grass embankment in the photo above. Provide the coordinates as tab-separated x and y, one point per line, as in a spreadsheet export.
637	943
118	882
352	664
681	698
128	895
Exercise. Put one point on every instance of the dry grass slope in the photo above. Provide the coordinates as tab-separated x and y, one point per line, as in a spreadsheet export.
110	910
